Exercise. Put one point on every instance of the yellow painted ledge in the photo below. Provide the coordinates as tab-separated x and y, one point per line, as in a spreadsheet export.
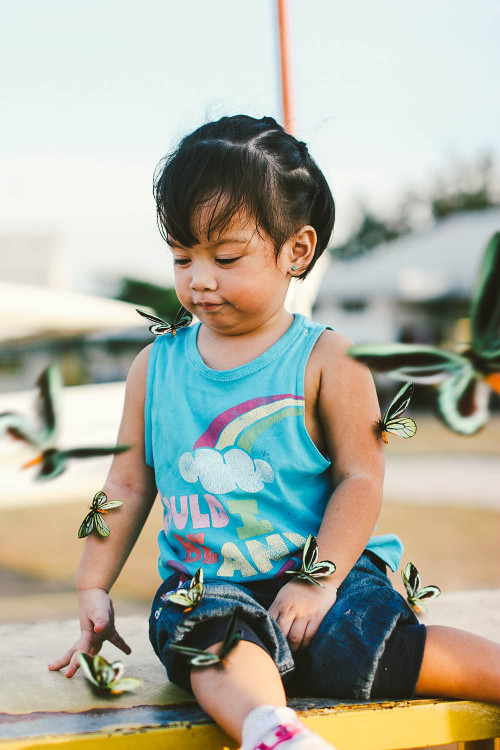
377	726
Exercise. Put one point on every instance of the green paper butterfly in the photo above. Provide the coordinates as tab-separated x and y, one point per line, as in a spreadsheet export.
160	326
415	594
42	433
392	420
100	504
311	568
464	376
106	677
190	597
199	658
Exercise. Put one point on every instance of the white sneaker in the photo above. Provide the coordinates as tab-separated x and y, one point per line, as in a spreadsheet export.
289	734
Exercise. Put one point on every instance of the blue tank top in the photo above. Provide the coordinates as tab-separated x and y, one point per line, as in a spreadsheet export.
241	482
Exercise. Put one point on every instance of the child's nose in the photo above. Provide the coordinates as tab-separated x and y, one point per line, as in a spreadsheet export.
202	276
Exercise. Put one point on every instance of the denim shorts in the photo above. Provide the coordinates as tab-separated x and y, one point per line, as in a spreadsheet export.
369	645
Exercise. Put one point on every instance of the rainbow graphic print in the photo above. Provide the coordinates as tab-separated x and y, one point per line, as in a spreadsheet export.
241	425
227	525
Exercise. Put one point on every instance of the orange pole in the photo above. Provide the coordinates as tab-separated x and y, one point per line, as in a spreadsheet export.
288	113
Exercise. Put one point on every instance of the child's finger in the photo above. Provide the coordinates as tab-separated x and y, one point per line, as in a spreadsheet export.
118	641
74	665
296	635
62	662
309	634
101	619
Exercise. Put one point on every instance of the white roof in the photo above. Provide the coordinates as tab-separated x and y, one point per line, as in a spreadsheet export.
440	261
28	311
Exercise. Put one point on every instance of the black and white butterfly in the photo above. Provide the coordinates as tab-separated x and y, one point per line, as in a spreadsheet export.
42	432
392	420
199	658
160	326
311	568
94	519
415	594
106	677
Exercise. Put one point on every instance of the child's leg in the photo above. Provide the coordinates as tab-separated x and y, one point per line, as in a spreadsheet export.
457	664
249	679
249	691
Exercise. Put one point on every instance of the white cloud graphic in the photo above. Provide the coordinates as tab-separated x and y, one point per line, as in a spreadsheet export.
220	473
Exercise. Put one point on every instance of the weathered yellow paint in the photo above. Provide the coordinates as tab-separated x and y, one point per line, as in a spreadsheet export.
380	726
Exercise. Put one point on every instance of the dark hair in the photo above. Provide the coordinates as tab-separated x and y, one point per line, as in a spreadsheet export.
240	163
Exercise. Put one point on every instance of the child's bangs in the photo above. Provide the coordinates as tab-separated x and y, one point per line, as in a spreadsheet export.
199	198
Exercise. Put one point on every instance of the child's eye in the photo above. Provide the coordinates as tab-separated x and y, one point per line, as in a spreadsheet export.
226	261
181	261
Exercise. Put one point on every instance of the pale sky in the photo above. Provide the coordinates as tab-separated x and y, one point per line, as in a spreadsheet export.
94	93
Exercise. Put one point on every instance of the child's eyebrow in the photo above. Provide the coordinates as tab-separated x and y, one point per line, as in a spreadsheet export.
216	243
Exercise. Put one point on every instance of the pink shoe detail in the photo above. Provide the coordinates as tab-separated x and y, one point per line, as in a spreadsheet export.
283	733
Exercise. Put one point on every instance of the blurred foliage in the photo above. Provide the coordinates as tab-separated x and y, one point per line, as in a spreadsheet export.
463	188
371	232
162	300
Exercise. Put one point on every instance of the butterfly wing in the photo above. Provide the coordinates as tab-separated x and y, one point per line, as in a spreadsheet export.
183	318
198	658
421	364
159	326
411	579
307	577
125	685
87	524
88	669
20	428
101	526
399	403
92	452
463	403
323	568
404	427
108	504
231	639
428	592
180	597
485	305
310	552
49	388
205	659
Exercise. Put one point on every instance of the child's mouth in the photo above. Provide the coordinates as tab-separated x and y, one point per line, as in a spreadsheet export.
208	306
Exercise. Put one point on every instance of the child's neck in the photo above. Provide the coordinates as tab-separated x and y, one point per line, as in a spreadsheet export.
226	352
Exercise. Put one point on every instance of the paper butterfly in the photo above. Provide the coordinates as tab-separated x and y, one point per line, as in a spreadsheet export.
414	594
94	519
43	435
106	677
464	376
190	597
201	658
160	326
392	421
311	568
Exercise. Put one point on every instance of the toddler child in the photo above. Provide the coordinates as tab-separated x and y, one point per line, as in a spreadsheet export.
256	430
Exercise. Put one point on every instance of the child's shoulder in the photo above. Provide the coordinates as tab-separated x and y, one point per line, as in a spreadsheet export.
331	348
333	366
138	371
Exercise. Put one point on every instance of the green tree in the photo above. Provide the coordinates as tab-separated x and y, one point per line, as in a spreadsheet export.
163	301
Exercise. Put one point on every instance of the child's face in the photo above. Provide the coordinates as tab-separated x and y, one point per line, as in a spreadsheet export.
233	283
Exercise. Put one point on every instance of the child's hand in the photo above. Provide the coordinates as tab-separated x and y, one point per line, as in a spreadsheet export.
299	609
97	623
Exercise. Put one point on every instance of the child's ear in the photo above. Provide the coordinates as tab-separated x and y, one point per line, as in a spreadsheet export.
302	247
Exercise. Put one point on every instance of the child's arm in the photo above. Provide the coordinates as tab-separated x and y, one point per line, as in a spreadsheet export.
347	408
132	481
